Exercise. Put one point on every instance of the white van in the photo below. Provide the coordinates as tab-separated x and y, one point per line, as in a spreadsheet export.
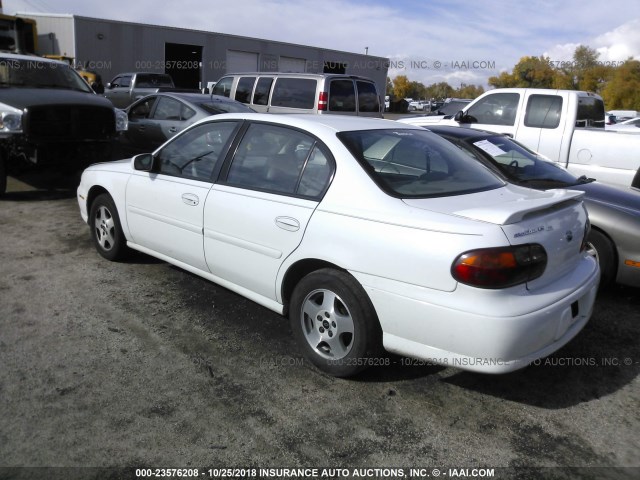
303	93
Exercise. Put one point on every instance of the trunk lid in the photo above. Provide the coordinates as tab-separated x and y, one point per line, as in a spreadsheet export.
554	219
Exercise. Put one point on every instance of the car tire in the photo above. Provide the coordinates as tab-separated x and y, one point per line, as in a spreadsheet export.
335	323
604	251
3	176
106	229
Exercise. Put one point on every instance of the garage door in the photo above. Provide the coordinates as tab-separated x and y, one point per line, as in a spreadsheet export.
291	64
241	61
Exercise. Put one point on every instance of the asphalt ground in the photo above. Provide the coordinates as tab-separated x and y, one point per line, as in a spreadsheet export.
142	365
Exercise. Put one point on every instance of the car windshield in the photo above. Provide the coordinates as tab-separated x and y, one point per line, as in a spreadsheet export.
417	164
38	74
522	165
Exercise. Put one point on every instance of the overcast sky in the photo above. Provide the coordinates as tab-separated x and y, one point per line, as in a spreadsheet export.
457	41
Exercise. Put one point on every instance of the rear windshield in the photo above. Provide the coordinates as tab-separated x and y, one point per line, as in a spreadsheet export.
417	164
153	80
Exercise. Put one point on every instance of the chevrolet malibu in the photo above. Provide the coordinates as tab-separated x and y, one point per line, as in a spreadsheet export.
367	234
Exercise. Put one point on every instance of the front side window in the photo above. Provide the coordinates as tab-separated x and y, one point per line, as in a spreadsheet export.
294	93
543	111
281	160
198	153
495	109
417	164
342	96
368	100
244	89
142	110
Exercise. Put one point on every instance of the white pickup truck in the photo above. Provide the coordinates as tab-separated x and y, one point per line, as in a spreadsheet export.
565	126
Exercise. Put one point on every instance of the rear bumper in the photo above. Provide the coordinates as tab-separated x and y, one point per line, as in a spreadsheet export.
487	331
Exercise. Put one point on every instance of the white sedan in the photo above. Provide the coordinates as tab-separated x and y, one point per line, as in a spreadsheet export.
367	233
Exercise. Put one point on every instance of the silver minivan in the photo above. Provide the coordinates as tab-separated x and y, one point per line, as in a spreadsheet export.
321	93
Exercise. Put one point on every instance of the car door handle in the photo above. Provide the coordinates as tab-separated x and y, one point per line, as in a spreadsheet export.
141	128
173	129
190	199
288	223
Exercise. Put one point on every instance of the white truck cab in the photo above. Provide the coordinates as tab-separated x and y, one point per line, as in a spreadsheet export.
566	126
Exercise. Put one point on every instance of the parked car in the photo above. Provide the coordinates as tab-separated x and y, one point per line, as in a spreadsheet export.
630	125
318	93
126	88
50	118
368	234
565	126
154	119
614	212
623	115
420	105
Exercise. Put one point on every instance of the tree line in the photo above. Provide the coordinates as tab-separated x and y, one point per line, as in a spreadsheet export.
618	82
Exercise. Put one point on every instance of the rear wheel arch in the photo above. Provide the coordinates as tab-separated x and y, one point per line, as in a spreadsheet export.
636	180
606	254
297	272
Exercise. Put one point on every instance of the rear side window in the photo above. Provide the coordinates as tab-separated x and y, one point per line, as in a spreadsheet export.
417	164
122	81
223	87
495	109
294	93
342	96
368	100
543	111
168	109
281	160
244	89
261	95
590	112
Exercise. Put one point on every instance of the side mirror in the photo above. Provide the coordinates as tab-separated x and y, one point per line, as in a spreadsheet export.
459	116
144	162
111	85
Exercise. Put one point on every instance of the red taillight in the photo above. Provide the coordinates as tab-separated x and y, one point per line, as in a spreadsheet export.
323	99
500	267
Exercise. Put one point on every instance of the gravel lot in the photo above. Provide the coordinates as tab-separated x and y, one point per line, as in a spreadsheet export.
141	364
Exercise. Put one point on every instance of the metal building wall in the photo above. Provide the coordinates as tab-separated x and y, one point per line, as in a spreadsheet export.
111	47
55	33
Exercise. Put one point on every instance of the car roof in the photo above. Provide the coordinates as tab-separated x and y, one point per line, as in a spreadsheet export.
294	74
336	123
196	97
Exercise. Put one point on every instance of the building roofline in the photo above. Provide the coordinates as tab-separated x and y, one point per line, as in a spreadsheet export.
124	22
